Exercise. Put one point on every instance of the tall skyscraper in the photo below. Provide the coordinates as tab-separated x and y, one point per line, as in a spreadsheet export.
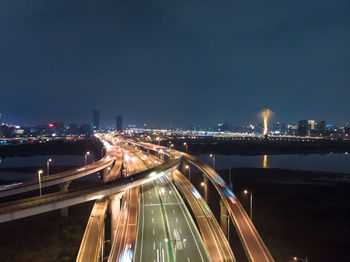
303	128
59	128
321	126
96	120
119	124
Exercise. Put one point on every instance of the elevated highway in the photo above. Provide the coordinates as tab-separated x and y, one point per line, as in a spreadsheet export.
93	239
253	244
28	207
57	178
214	239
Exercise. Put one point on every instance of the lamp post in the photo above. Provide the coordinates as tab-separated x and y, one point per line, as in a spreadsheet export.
300	259
251	203
48	166
186	145
158	139
212	156
86	156
39	177
189	171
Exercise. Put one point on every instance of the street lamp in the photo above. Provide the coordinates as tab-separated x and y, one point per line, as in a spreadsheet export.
185	144
39	177
86	155
301	259
212	156
189	171
158	139
251	203
48	166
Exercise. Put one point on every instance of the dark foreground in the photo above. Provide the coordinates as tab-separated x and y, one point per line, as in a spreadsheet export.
298	213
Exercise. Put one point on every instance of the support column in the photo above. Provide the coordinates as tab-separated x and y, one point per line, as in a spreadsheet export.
64	188
102	243
114	210
223	217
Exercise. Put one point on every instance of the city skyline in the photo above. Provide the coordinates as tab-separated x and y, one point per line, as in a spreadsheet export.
111	123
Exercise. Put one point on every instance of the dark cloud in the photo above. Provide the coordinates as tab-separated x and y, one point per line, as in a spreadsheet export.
190	62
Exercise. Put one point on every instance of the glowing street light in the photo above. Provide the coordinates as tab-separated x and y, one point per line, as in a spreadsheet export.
202	184
251	203
158	139
300	259
86	156
212	156
48	166
189	171
39	177
186	145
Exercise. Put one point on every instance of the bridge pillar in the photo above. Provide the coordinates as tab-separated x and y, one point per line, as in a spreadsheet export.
64	188
102	243
114	209
223	217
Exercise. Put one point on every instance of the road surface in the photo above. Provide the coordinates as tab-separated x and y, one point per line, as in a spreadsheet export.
215	241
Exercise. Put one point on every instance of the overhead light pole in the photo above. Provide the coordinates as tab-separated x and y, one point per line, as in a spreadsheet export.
250	204
86	156
212	156
39	177
48	166
189	171
186	145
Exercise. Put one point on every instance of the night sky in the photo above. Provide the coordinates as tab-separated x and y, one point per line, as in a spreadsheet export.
174	62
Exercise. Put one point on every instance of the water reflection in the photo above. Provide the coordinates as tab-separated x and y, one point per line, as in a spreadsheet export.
336	162
265	162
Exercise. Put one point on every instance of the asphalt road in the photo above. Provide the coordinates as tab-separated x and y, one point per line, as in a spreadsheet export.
166	230
251	240
214	238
